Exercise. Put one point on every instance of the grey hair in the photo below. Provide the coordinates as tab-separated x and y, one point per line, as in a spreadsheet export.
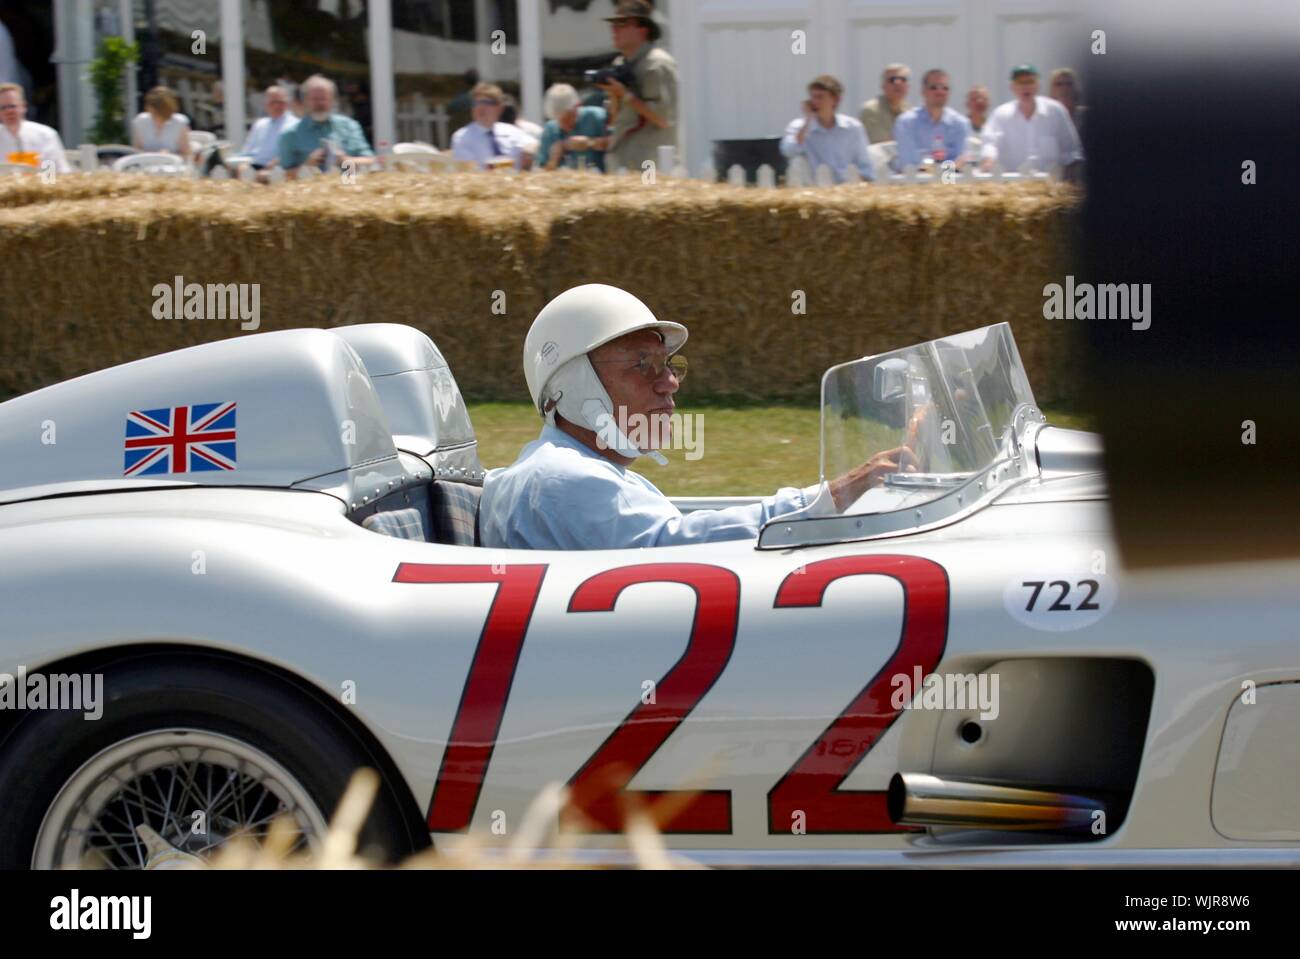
560	99
316	80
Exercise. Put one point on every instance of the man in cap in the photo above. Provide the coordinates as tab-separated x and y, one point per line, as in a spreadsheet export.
643	114
1029	127
599	367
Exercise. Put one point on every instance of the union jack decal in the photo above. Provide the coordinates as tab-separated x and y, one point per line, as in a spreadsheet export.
181	439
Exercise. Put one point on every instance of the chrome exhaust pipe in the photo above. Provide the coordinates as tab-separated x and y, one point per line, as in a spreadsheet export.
919	799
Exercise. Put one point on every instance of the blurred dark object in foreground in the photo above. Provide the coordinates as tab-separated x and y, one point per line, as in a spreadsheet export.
750	154
1169	130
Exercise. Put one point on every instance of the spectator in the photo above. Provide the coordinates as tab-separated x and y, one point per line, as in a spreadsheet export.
1028	128
977	107
356	95
510	115
322	137
160	128
935	130
262	145
573	132
20	137
827	138
879	115
463	101
643	114
216	110
487	142
1065	89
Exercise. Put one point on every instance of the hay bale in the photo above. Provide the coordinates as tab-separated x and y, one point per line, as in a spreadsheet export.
877	268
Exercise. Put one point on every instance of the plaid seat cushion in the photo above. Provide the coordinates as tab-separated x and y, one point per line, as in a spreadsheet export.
398	523
455	513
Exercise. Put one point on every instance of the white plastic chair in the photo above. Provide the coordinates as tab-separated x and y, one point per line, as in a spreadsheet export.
162	164
881	154
199	139
420	156
17	169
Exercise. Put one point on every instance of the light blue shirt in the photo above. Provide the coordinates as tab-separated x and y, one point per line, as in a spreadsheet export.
835	147
918	136
560	494
263	141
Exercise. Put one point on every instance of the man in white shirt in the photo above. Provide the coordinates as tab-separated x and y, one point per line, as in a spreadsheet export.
19	135
1029	127
262	145
826	138
487	142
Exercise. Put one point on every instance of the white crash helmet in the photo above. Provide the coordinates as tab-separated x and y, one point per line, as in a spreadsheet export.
561	378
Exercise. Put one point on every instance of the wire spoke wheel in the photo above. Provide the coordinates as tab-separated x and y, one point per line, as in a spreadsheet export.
169	799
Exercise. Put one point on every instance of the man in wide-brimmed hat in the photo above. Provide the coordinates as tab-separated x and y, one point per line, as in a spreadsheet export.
643	112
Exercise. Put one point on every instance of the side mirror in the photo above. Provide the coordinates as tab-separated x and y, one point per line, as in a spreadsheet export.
890	380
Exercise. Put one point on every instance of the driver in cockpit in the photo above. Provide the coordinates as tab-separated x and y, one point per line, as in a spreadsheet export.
599	365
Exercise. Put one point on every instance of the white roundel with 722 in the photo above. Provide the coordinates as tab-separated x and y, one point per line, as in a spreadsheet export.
1057	601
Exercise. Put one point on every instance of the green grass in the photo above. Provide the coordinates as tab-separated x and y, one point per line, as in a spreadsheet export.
746	450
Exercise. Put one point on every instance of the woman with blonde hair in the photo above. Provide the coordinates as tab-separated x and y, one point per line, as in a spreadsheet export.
160	128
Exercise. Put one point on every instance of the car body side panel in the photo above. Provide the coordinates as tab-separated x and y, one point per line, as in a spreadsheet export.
284	577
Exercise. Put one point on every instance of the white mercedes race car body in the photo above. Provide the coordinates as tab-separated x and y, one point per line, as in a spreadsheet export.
955	670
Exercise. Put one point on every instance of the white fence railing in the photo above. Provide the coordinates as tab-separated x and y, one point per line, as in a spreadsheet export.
416	123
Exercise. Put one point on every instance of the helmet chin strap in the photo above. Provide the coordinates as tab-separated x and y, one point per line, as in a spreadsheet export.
576	393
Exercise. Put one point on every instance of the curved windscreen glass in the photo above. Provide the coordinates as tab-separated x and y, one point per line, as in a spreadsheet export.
951	401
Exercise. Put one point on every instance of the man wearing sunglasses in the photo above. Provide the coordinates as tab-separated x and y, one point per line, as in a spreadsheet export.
596	359
879	114
487	142
935	131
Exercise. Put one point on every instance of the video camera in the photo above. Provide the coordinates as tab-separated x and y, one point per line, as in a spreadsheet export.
621	72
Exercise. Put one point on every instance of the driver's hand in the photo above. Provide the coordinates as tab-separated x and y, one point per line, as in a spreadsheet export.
847	488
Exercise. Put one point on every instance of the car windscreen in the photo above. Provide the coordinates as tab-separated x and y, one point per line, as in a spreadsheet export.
951	401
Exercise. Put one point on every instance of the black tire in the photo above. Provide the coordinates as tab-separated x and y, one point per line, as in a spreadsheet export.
216	694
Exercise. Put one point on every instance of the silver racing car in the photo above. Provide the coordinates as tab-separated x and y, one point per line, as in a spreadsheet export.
233	574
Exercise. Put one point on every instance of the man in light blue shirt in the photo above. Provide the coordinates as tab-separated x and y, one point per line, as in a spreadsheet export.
934	130
602	371
262	145
561	494
826	138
